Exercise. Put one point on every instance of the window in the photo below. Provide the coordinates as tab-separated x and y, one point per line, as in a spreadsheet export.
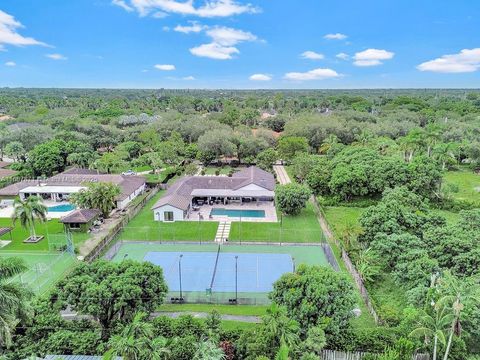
168	216
74	226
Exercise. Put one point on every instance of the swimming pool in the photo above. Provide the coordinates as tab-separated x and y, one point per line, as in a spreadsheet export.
238	213
61	208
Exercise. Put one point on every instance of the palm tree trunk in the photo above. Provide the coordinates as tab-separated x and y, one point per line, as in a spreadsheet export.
32	232
450	337
435	341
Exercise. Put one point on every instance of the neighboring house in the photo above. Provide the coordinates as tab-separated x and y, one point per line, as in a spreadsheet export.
251	184
61	186
80	220
4	173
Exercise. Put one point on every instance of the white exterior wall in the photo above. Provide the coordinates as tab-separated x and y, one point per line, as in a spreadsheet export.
122	204
178	214
252	188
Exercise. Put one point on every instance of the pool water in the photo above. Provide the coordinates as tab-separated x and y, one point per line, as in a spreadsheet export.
61	208
238	213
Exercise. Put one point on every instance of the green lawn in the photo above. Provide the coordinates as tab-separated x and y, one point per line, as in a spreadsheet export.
301	228
144	228
224	170
339	217
52	230
237	325
468	184
252	310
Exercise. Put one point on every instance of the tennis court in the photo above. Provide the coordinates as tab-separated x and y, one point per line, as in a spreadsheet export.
201	271
208	275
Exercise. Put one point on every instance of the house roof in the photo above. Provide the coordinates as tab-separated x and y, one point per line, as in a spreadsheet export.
78	178
180	194
6	172
81	216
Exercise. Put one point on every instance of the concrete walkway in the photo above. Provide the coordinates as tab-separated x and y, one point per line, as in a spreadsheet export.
282	175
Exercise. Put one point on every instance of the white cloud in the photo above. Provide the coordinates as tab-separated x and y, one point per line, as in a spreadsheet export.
315	74
312	55
372	57
336	36
227	36
188	78
123	5
210	8
223	43
10	63
9	35
342	56
165	67
260	77
194	27
56	56
214	51
159	15
467	60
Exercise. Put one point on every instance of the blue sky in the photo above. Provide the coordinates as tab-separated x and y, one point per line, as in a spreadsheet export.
240	44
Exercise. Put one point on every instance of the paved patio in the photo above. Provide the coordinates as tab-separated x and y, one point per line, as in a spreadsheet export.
204	211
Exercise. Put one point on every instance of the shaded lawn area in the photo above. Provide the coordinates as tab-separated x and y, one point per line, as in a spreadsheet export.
52	230
254	310
468	184
237	325
301	228
144	228
224	170
339	217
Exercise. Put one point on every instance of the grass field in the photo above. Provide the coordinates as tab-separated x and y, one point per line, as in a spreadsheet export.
250	310
211	170
51	229
340	216
301	228
144	228
468	184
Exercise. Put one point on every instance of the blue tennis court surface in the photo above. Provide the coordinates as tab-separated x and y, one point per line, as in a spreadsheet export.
256	272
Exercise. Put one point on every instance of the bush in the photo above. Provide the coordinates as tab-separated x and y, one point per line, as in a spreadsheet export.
292	198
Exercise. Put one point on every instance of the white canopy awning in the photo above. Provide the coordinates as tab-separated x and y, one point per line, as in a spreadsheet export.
233	193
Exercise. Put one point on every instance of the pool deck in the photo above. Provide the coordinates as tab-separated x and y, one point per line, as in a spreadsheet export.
268	207
8	211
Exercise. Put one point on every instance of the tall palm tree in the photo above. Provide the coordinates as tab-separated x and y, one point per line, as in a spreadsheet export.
457	294
13	299
433	326
27	211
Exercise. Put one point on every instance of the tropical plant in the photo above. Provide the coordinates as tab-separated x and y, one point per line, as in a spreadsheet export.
283	329
433	326
27	211
208	350
99	196
13	299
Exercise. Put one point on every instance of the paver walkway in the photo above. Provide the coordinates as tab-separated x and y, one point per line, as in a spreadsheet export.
282	175
223	230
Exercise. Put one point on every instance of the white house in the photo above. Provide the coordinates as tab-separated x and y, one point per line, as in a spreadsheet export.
251	184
